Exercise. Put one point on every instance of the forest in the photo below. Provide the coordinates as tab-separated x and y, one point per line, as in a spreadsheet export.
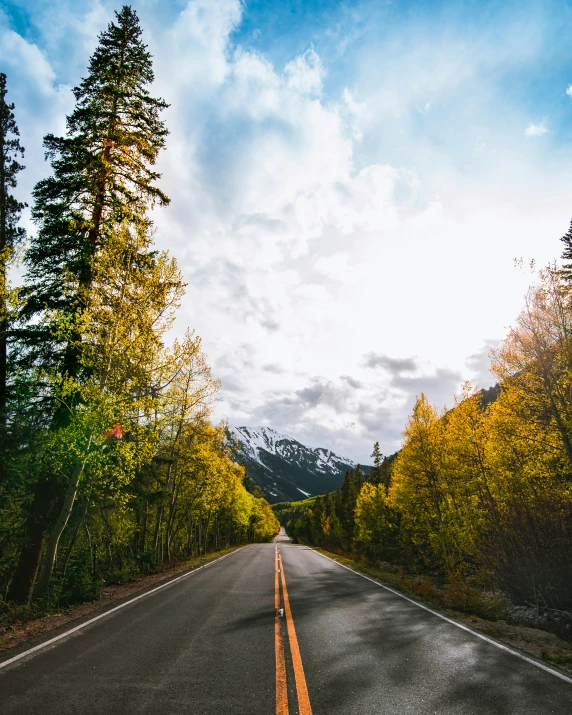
480	495
109	464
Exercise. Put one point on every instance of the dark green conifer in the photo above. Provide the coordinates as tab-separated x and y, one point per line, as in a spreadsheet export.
349	494
102	173
567	253
375	476
10	236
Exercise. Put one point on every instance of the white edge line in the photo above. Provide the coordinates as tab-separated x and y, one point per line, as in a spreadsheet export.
450	620
38	647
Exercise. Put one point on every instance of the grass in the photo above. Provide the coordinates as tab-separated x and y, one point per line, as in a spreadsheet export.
557	657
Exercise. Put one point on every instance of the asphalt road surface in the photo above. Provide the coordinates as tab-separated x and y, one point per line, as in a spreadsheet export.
276	629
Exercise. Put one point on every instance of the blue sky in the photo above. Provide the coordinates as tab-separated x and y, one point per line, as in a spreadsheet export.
350	184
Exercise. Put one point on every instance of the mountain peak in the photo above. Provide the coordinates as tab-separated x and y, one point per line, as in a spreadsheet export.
285	468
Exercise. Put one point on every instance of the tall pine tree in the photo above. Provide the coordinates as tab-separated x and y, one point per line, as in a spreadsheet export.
375	474
102	176
10	236
567	253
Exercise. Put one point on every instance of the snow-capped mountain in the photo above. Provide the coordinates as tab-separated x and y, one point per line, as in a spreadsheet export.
284	468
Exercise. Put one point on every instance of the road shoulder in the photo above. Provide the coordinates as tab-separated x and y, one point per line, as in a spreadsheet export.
545	647
18	637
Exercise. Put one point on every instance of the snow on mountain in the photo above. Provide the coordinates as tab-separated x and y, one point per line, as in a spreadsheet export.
254	439
284	467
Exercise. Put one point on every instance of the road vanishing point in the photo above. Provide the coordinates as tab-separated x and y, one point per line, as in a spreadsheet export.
276	629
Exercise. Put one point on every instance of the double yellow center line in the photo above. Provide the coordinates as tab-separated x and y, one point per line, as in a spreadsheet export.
304	707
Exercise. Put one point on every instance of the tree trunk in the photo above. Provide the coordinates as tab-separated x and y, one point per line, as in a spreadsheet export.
190	527
143	542
75	536
54	537
37	524
28	566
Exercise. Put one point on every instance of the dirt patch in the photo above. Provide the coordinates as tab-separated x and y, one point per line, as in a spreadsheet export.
19	633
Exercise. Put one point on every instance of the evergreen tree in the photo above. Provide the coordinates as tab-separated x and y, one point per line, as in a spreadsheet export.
349	493
375	476
102	176
10	236
359	477
381	470
567	253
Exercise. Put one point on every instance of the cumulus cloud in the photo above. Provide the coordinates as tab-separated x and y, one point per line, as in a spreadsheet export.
439	387
354	412
379	424
335	266
41	102
352	382
354	107
305	73
307	216
230	383
536	130
479	364
392	365
197	45
273	368
569	90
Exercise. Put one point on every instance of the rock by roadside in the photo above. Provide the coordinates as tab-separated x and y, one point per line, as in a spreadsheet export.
549	619
16	634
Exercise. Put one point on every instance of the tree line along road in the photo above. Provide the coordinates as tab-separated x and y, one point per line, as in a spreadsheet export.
277	628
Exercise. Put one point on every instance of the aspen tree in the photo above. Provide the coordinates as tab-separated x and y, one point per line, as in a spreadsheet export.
418	488
536	357
133	296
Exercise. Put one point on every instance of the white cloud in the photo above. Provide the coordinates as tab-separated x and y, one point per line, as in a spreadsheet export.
306	73
192	52
335	266
479	364
536	130
569	90
41	104
306	248
354	107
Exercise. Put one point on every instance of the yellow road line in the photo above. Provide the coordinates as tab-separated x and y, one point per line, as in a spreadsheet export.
304	706
281	690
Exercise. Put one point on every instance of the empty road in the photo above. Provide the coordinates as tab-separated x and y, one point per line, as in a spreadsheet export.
276	628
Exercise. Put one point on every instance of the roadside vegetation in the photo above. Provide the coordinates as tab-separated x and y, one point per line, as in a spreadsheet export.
109	464
475	511
482	612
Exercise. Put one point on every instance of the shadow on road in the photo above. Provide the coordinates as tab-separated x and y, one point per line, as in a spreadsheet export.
363	644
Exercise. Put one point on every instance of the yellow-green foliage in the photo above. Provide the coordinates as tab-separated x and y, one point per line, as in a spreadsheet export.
480	495
143	476
377	521
486	492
